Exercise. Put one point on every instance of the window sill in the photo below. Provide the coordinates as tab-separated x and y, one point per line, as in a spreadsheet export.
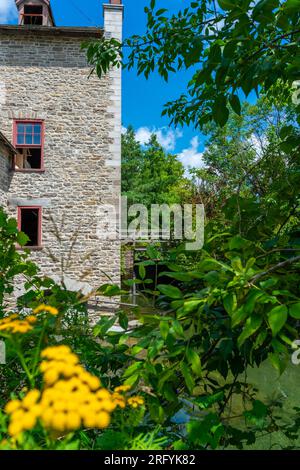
30	248
28	170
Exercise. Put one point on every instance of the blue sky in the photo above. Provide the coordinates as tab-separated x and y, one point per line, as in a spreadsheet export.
143	100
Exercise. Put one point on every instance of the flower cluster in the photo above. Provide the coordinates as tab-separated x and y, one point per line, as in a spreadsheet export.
14	324
135	402
46	308
121	401
71	398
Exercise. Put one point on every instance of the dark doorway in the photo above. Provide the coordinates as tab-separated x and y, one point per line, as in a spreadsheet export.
30	225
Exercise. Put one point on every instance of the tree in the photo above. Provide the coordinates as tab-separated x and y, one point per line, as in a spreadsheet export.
236	302
231	46
244	158
149	175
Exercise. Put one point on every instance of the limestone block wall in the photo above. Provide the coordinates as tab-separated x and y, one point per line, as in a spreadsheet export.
47	77
4	174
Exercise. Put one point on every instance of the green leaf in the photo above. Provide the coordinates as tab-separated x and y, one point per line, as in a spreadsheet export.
142	271
277	318
253	296
195	361
294	310
251	326
191	305
235	104
277	362
164	329
220	111
22	238
208	401
291	6
238	316
185	277
161	11
236	263
190	383
170	291
103	326
136	366
257	416
237	242
177	327
226	4
230	303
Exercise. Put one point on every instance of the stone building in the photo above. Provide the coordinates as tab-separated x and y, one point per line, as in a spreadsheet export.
60	150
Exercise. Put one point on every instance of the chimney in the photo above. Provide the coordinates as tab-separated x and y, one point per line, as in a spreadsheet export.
35	12
113	19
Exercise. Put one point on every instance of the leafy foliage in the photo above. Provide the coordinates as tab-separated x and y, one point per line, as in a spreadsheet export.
231	47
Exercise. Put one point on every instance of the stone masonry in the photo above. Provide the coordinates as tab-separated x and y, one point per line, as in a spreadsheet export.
7	152
44	75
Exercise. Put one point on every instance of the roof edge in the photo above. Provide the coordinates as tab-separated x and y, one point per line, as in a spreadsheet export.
7	144
71	31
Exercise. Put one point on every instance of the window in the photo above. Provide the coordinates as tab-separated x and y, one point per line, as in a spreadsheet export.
29	141
33	14
30	222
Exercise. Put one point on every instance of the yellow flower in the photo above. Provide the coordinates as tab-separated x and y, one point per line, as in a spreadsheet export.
29	421
122	388
47	417
108	405
71	398
45	308
73	420
103	394
17	415
51	376
102	420
12	406
59	421
90	419
31	398
14	428
93	382
31	319
14	325
119	400
135	401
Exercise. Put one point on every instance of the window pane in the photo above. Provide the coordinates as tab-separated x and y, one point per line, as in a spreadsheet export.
37	128
28	139
28	128
20	139
37	139
20	128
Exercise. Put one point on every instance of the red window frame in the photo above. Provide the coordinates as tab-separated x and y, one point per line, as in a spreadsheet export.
41	146
19	219
32	14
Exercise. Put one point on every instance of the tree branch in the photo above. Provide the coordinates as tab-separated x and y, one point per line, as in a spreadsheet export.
274	268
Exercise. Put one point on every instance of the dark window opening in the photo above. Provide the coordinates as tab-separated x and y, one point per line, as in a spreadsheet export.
33	14
28	159
29	224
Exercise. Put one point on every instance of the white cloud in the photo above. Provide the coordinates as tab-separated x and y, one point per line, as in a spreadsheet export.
165	136
8	11
258	143
191	157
